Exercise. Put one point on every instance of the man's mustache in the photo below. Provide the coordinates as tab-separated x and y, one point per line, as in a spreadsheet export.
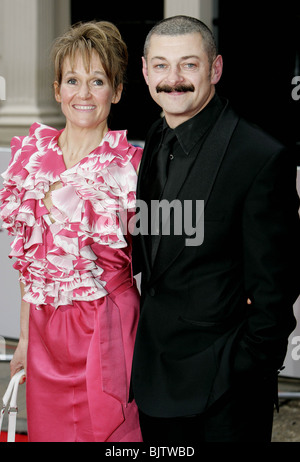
177	88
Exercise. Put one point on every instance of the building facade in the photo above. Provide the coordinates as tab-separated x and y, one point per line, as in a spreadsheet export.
27	31
260	47
259	41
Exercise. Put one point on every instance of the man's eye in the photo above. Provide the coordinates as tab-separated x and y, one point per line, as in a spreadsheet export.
190	65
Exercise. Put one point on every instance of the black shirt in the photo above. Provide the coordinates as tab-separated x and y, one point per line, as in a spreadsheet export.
195	130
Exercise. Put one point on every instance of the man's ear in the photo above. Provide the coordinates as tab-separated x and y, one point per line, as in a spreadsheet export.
117	96
145	70
216	70
57	91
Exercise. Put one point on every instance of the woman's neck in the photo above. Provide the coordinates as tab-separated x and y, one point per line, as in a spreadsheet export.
76	143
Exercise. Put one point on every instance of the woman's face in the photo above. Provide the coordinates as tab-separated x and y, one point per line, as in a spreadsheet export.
86	97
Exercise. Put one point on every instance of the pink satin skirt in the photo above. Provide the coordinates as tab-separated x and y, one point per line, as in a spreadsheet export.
78	371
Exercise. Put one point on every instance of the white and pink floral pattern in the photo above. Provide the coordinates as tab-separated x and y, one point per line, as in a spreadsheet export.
55	250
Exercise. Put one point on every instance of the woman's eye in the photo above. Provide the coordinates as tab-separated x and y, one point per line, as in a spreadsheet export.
72	81
98	82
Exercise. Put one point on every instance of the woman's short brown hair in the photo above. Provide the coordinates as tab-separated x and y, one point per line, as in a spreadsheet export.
84	38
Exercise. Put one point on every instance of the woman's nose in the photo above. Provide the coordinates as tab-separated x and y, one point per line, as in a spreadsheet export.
84	91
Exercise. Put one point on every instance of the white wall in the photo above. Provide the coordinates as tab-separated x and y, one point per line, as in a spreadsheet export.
9	284
201	9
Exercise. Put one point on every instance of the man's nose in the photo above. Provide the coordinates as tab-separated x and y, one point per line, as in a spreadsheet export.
174	75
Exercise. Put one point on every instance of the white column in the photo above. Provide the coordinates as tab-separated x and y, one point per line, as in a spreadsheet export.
200	9
28	28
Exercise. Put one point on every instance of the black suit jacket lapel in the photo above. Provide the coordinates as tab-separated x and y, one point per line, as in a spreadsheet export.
197	185
151	143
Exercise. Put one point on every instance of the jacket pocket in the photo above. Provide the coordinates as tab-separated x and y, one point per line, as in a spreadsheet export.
196	323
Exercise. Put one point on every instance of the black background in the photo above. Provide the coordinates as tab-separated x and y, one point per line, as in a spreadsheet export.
259	41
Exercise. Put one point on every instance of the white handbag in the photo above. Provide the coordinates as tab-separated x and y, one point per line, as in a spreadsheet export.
11	394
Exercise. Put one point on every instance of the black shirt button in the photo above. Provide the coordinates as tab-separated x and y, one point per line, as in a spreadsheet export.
152	292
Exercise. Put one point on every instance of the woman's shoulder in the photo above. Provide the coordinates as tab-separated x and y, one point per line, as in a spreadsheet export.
116	141
137	156
29	150
37	130
37	133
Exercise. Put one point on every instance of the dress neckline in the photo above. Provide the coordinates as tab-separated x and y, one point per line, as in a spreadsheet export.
60	151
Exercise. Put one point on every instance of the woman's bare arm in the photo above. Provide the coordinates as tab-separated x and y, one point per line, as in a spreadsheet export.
19	360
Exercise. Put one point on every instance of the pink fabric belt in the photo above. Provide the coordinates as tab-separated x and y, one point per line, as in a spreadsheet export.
113	362
119	283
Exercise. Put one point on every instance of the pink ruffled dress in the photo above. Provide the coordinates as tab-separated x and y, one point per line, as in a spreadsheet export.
75	263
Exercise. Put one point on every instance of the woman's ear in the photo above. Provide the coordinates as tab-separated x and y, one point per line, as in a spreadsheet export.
57	91
117	96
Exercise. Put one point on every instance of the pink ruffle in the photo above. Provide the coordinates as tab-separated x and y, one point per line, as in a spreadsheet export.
56	260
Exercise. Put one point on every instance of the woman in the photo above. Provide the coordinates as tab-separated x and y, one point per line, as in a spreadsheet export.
68	197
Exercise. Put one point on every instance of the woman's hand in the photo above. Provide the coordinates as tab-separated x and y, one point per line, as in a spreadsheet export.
19	360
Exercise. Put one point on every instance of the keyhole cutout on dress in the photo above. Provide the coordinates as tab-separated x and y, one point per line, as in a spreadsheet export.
48	197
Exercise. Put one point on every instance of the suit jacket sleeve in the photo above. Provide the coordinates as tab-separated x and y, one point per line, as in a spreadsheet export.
271	254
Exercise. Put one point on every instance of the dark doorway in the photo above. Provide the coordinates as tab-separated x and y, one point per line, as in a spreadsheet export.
136	110
260	43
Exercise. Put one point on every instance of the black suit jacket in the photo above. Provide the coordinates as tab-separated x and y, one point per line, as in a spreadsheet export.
197	336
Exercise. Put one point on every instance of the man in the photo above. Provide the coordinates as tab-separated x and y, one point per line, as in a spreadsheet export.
216	311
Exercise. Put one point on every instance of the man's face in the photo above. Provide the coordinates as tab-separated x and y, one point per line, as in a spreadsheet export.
179	75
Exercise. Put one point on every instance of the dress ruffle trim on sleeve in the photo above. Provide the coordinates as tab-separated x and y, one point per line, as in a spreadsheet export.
53	250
